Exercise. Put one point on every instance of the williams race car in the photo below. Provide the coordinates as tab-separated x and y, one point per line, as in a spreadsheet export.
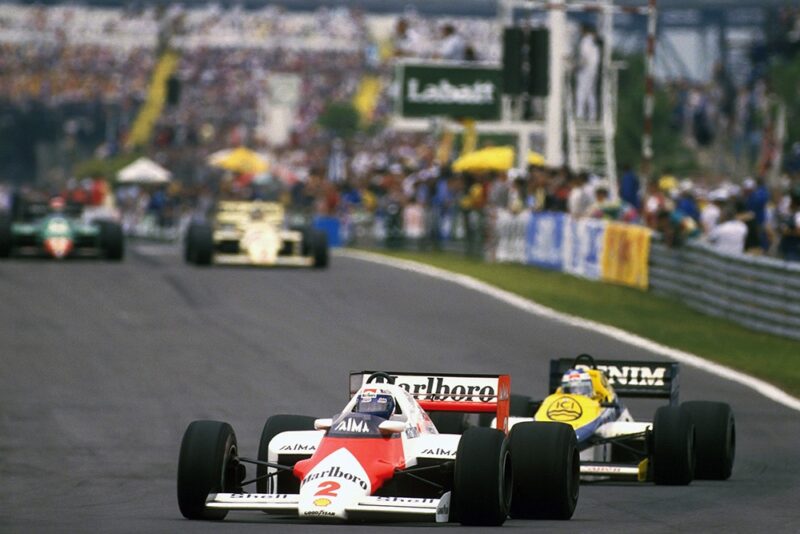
382	458
253	233
685	441
55	230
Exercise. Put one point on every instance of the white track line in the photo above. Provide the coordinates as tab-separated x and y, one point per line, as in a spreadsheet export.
764	388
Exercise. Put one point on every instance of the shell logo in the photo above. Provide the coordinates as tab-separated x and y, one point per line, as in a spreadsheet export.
322	502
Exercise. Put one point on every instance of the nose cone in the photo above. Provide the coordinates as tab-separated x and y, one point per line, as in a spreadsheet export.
58	247
335	483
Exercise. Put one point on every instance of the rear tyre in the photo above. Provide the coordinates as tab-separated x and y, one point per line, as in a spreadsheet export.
673	454
112	241
482	478
274	426
6	237
319	248
207	465
715	438
199	244
546	466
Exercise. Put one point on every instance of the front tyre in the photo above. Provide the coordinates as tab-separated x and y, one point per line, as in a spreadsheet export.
199	244
274	426
546	465
207	464
319	248
112	240
673	453
6	237
482	478
715	438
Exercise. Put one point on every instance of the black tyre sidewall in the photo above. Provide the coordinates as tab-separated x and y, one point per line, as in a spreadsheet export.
112	240
204	467
481	484
715	438
200	244
319	248
6	237
546	465
673	454
272	427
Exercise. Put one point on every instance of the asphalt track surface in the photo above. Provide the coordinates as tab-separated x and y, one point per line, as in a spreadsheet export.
104	365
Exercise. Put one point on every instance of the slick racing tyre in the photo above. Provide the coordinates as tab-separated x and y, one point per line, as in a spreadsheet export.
6	237
546	467
319	248
199	244
482	478
715	438
274	426
673	454
112	240
207	465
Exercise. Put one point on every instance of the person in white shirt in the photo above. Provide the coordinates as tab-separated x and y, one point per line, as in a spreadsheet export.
453	46
579	199
709	216
728	237
406	41
586	75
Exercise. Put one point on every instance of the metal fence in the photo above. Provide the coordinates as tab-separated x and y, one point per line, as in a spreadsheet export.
756	292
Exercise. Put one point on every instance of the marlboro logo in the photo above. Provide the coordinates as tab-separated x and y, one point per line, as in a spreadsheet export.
450	389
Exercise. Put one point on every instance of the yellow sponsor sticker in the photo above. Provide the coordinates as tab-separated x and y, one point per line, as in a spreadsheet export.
322	502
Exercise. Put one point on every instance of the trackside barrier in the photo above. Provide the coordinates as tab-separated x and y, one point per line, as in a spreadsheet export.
589	248
760	293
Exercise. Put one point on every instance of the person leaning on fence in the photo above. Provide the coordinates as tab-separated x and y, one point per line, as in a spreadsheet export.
789	228
730	234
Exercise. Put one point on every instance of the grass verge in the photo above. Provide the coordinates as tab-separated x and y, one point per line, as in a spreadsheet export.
661	319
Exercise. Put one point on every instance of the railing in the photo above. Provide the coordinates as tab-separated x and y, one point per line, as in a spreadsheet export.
759	293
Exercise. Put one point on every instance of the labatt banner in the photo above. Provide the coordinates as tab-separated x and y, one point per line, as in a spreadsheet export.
544	240
626	249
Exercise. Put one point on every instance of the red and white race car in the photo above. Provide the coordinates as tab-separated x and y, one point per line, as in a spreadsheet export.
382	458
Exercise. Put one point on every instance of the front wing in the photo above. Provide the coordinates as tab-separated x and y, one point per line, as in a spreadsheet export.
365	508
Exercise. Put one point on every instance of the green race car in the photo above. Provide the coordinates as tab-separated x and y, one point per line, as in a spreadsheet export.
55	230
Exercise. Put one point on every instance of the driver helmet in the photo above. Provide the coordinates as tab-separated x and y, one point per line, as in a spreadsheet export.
374	403
577	382
57	204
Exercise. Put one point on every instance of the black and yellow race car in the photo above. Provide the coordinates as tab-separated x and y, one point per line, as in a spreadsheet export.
683	442
254	233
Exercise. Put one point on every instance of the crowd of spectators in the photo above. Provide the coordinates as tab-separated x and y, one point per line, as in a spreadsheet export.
399	184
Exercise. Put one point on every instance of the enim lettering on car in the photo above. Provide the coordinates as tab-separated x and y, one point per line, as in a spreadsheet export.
634	375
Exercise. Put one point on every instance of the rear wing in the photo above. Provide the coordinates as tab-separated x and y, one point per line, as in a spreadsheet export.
630	378
443	392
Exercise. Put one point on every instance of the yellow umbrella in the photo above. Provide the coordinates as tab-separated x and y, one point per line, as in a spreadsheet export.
495	158
240	159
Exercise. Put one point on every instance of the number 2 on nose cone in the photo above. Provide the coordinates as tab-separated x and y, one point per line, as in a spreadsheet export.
328	488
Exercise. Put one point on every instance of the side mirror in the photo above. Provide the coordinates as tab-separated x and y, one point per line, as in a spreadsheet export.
391	427
323	424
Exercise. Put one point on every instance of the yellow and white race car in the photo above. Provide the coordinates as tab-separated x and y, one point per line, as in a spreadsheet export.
691	440
254	233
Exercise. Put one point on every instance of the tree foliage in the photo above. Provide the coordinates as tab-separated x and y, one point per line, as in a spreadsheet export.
340	119
668	149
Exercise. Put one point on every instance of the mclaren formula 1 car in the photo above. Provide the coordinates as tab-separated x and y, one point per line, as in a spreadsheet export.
381	458
691	440
254	233
55	230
